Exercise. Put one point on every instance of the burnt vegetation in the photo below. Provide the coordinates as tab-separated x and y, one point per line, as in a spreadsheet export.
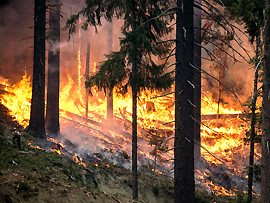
175	134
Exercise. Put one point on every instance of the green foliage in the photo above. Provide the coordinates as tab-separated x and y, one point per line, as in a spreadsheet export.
251	13
111	74
156	189
157	139
240	198
202	196
140	45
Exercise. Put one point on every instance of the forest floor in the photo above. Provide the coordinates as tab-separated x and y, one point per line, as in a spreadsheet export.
34	175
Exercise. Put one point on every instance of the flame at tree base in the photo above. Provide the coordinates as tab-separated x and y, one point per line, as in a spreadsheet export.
222	168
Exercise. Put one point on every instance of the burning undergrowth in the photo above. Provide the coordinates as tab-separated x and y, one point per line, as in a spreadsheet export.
224	152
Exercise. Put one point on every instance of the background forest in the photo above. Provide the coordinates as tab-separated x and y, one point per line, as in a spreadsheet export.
133	90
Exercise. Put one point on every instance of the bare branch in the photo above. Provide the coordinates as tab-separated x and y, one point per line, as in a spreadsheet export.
220	62
166	141
198	68
197	143
170	66
162	95
167	57
225	43
170	54
168	123
221	49
160	15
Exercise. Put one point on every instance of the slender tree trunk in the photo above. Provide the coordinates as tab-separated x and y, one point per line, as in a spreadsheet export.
266	110
87	75
37	120
252	126
197	81
52	112
110	96
184	184
134	110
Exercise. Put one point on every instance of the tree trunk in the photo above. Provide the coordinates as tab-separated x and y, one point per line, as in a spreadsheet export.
37	120
197	81
110	95
52	112
265	178
134	111
252	125
184	184
87	75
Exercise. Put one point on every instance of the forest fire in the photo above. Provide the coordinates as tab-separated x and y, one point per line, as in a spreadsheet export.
223	148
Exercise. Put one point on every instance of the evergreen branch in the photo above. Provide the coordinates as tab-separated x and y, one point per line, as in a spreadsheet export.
162	95
170	54
168	73
160	15
167	57
169	40
198	68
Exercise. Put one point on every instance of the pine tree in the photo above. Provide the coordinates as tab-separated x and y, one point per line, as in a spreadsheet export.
251	13
37	121
52	111
266	110
184	183
144	26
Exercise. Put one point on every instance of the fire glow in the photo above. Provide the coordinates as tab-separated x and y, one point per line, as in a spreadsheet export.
222	137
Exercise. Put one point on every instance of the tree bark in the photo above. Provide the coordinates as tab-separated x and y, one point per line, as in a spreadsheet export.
134	110
110	95
37	120
197	81
252	125
52	112
184	184
87	75
265	177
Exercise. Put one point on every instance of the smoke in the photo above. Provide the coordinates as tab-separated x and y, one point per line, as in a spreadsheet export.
236	76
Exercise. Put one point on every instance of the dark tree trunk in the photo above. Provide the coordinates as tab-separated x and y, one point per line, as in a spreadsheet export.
37	120
197	81
52	113
266	110
252	126
184	184
134	111
110	96
87	75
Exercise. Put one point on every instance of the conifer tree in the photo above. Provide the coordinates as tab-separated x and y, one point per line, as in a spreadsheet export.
184	183
37	118
52	112
144	26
